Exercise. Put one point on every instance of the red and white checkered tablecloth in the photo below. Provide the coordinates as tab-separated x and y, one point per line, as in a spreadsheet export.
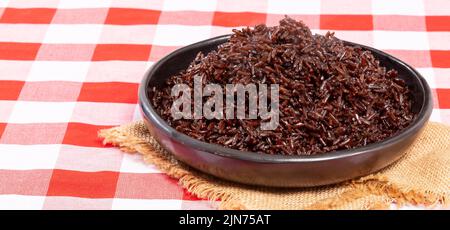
71	67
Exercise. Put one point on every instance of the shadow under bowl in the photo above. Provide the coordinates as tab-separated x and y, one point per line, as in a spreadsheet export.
279	170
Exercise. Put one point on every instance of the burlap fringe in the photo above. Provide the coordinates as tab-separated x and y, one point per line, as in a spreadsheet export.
379	185
190	180
186	178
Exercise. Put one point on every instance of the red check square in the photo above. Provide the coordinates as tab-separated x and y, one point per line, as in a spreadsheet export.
120	92
126	52
83	184
346	22
83	135
2	128
440	58
123	16
444	98
231	19
18	51
438	23
10	90
28	15
189	196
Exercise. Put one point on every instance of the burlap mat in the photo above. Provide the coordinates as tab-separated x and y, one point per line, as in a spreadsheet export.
422	177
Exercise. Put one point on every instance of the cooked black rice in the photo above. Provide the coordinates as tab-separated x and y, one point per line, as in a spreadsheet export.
332	96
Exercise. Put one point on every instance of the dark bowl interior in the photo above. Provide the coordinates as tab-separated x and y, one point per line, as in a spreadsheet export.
278	170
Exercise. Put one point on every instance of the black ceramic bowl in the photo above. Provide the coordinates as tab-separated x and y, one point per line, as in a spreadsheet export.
278	170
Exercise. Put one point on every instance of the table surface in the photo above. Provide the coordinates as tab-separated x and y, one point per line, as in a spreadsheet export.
71	67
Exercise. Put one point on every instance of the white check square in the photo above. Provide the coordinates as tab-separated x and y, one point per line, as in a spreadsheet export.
199	5
242	6
20	202
293	7
169	35
396	40
140	4
437	7
441	78
5	110
58	71
28	157
137	116
439	40
30	4
41	112
130	34
140	204
428	74
79	34
436	115
133	163
4	3
22	33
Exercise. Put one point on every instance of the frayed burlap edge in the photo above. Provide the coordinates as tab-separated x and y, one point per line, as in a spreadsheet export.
376	185
187	177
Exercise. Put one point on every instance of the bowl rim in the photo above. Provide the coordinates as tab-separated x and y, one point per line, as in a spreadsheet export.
148	112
